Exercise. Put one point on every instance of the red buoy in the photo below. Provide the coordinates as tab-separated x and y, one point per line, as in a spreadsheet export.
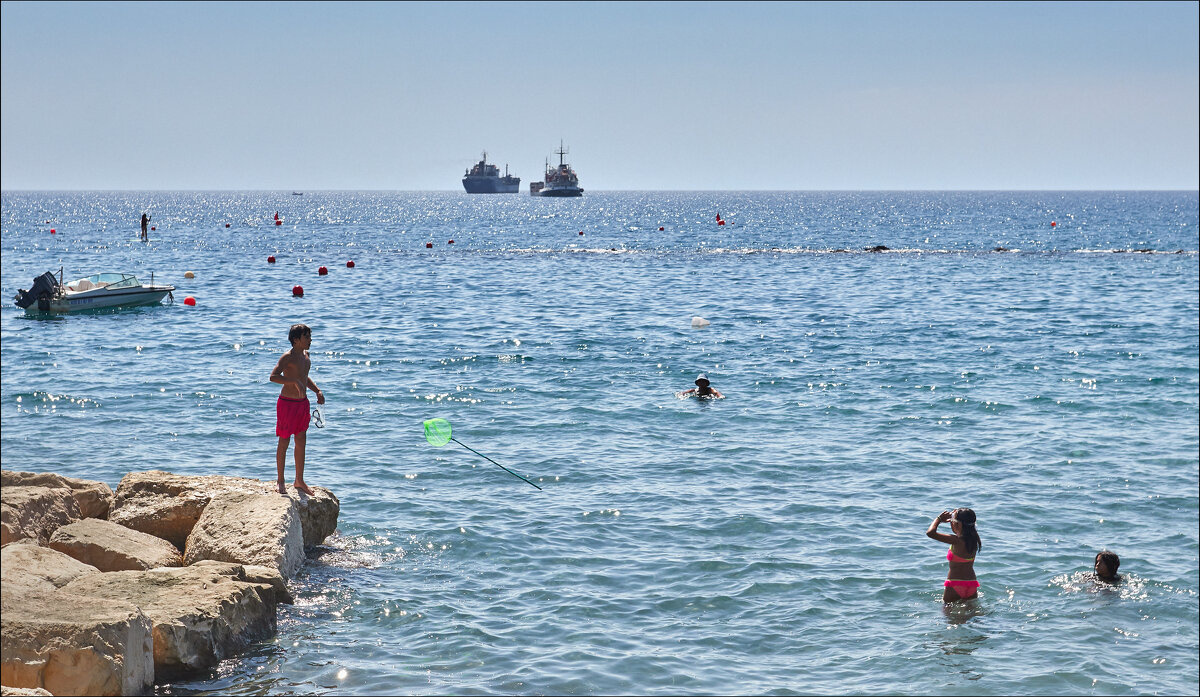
51	231
226	224
428	245
279	222
322	271
1053	224
153	228
350	264
581	232
660	228
271	259
298	291
450	242
720	222
189	301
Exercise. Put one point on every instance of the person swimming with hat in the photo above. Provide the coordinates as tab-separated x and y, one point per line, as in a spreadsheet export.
702	389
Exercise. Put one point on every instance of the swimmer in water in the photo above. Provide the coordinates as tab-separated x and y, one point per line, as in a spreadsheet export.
702	389
1106	566
961	583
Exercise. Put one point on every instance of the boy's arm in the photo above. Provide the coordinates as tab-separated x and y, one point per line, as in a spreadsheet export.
313	386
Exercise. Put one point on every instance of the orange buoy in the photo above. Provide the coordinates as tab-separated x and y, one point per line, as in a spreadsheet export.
428	245
322	271
189	301
350	264
271	259
279	222
298	291
189	274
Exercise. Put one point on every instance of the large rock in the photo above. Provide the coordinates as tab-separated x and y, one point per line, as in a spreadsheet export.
254	574
94	498
7	691
35	512
169	505
74	645
35	568
200	614
112	547
249	528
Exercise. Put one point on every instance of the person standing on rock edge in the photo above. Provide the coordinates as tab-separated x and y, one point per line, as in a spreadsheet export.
292	409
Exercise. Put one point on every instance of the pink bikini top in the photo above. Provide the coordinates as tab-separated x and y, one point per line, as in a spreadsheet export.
951	557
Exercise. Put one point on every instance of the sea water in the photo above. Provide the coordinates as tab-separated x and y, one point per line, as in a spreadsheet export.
768	542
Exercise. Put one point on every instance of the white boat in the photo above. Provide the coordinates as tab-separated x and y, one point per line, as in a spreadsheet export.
100	290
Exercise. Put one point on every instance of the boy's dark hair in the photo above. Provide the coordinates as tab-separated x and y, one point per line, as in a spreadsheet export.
1111	560
297	331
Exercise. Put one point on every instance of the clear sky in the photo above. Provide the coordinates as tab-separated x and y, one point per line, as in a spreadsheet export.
646	96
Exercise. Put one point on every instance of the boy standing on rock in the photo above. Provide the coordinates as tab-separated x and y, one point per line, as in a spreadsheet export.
292	409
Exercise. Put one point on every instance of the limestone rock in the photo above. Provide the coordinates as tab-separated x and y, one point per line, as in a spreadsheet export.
94	498
34	512
254	574
37	568
199	616
112	547
5	690
74	645
169	505
249	528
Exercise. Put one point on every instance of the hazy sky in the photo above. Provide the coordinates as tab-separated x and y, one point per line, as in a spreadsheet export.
646	96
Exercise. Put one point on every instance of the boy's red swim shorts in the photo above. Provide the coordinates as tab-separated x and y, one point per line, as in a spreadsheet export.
291	416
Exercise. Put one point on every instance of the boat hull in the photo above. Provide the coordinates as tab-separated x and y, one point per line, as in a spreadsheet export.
491	185
561	193
96	300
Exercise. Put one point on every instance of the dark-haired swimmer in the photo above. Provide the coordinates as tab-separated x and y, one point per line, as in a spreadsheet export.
1106	566
702	389
961	583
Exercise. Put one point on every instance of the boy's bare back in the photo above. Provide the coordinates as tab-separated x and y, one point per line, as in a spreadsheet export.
293	367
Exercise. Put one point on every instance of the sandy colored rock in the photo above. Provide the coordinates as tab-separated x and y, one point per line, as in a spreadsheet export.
74	645
254	574
199	615
112	547
35	512
5	690
169	505
249	528
39	568
93	498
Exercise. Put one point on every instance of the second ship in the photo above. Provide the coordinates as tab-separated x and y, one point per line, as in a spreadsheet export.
559	182
485	179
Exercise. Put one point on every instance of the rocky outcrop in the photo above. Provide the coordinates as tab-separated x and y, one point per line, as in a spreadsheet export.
93	498
72	644
34	512
253	574
112	547
200	615
6	691
39	568
249	528
169	505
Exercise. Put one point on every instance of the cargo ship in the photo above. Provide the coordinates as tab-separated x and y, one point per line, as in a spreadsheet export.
485	179
560	181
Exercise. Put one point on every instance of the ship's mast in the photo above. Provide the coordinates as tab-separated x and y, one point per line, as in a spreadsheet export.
560	152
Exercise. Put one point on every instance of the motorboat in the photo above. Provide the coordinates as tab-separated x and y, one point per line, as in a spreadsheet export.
100	290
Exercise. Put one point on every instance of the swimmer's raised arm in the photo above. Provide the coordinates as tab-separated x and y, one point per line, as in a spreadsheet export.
932	532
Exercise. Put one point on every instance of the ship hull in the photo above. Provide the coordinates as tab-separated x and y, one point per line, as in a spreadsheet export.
561	193
491	185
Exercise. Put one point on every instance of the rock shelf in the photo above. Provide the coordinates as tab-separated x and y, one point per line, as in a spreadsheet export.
107	593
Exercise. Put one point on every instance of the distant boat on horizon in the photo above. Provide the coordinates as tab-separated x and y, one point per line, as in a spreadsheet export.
485	179
560	182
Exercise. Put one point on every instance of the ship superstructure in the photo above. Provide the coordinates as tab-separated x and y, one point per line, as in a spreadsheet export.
485	178
559	181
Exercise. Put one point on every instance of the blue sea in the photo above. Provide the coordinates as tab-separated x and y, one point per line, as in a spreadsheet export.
768	542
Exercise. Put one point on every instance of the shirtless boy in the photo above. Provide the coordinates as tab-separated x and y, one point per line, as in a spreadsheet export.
292	409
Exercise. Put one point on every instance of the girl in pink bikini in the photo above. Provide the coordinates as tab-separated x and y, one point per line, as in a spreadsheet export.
961	583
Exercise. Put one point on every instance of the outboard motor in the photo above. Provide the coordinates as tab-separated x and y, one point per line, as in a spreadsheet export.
44	287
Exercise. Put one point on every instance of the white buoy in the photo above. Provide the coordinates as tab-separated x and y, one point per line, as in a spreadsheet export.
699	323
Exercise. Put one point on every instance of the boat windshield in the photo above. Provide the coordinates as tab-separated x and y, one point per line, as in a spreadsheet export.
103	280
